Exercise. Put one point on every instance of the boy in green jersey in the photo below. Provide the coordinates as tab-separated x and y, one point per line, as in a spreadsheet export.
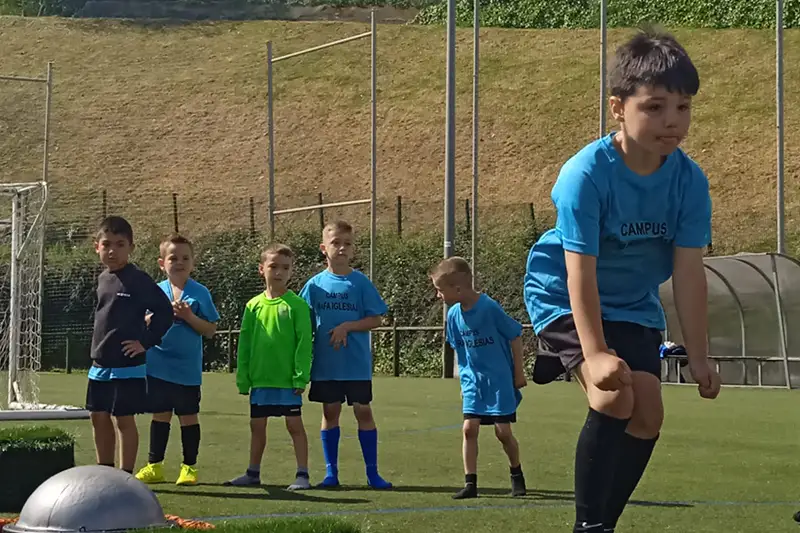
274	363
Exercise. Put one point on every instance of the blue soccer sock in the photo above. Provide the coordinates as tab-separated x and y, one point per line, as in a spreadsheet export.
330	448
369	449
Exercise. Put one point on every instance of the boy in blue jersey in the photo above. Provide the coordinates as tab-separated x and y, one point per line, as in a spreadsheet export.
175	367
345	305
633	210
490	366
121	337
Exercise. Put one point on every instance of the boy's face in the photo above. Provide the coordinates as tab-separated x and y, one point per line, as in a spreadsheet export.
113	249
655	118
446	292
337	247
276	269
178	261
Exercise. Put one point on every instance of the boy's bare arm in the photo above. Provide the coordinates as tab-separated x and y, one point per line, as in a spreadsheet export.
606	371
584	299
519	363
691	300
690	290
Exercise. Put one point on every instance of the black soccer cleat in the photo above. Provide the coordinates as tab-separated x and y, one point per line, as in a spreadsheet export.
797	517
518	485
470	490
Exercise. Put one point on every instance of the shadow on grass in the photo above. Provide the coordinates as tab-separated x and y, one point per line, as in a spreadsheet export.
261	492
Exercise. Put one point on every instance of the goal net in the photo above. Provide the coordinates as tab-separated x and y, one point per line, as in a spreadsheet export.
22	232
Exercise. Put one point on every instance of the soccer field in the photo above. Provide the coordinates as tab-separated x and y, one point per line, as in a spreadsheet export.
727	465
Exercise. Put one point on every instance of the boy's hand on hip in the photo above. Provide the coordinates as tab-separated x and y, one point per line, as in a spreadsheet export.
520	381
132	348
339	336
706	377
607	371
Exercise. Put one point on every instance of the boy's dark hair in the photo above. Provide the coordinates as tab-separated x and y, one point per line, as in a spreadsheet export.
175	238
115	225
276	249
652	57
339	225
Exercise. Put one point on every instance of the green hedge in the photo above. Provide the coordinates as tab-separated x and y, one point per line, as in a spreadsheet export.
621	13
30	455
227	264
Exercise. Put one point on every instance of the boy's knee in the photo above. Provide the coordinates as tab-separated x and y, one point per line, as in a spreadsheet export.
126	423
617	404
165	417
258	424
503	433
471	429
331	411
645	425
295	427
363	412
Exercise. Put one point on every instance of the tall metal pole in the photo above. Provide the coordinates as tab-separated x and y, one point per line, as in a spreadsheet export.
450	163
271	135
47	101
14	322
476	28
779	103
603	67
373	226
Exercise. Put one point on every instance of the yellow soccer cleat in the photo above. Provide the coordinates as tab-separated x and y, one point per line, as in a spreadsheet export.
152	473
188	475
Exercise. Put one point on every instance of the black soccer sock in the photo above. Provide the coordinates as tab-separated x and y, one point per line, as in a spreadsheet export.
159	436
190	438
595	461
637	453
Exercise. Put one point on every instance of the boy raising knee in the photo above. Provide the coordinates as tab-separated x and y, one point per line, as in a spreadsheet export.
345	305
175	367
489	349
121	337
274	363
633	210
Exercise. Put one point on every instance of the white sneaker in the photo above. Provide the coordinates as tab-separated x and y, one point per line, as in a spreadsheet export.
300	483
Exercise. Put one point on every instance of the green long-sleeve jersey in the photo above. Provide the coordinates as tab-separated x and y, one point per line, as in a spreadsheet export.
274	344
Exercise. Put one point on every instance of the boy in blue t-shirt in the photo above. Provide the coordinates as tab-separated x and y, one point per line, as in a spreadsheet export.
633	210
175	367
345	305
488	345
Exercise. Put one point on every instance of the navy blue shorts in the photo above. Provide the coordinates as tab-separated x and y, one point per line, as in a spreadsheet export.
118	397
341	391
560	348
168	397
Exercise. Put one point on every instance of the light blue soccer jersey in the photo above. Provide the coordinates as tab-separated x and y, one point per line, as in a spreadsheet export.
481	338
179	357
274	396
631	223
335	299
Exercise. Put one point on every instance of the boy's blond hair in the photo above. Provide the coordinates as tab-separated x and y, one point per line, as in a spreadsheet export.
339	226
276	249
175	238
454	271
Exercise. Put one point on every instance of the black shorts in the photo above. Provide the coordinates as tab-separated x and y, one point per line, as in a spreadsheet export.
340	391
560	349
168	397
277	411
490	420
118	397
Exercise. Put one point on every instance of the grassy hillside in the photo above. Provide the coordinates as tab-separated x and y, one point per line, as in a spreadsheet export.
145	110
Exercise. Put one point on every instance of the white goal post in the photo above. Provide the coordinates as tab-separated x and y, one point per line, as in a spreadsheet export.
22	240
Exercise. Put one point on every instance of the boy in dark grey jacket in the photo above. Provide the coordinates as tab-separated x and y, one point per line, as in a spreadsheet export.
117	385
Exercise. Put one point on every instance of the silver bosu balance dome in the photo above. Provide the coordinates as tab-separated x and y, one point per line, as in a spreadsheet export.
90	499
